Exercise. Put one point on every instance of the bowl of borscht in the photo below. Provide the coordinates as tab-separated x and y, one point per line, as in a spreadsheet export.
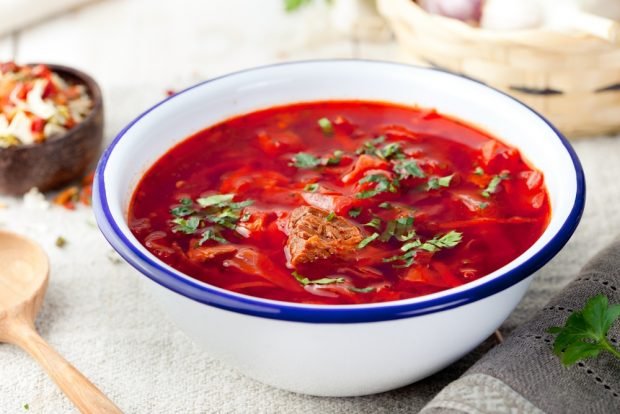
340	227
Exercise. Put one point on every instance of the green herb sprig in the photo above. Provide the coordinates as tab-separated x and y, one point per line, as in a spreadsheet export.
326	126
323	281
209	216
382	184
584	335
435	183
308	161
411	249
408	168
494	184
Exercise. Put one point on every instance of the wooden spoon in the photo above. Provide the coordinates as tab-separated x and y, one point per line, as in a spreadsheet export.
24	273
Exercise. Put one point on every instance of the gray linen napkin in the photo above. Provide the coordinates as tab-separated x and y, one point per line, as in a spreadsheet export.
522	375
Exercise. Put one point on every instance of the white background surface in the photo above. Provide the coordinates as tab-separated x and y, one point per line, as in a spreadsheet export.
96	312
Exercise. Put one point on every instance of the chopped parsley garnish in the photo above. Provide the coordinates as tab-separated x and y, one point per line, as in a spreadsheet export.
312	188
435	183
335	159
411	249
494	184
305	160
375	223
362	290
408	168
323	281
309	161
183	209
60	241
401	229
218	210
448	240
479	171
407	259
584	335
187	226
326	126
355	212
390	151
330	216
212	233
382	184
215	200
385	205
367	240
370	147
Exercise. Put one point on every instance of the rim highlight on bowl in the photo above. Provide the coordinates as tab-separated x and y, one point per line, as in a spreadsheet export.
243	92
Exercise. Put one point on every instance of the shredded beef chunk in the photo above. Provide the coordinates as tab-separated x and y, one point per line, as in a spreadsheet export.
312	237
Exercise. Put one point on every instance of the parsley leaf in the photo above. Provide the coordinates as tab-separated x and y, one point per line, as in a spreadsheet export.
448	240
400	228
187	226
494	184
330	216
335	159
362	290
355	212
434	183
183	209
367	240
390	151
211	233
326	126
218	209
374	222
408	168
312	188
382	185
584	335
479	171
407	259
305	160
323	281
411	249
215	200
385	205
370	147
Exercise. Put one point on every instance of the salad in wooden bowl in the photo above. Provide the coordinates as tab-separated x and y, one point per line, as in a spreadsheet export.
51	126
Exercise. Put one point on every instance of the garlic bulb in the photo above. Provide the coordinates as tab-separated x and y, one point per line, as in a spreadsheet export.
466	10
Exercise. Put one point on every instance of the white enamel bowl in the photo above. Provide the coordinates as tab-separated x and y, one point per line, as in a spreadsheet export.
337	350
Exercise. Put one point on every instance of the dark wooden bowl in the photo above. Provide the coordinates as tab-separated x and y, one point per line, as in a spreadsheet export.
56	162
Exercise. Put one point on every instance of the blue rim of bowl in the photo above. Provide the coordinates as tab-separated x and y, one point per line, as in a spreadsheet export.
288	311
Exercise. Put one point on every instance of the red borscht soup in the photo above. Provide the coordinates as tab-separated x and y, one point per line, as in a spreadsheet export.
339	202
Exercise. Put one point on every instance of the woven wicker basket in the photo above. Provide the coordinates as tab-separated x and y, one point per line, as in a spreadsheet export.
572	79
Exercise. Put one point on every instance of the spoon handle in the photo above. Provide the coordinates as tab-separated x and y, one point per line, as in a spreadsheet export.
83	393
